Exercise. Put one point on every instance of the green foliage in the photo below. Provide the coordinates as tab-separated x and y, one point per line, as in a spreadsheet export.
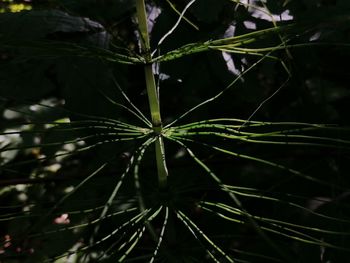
243	157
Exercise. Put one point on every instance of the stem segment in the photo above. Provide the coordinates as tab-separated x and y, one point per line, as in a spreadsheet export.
152	94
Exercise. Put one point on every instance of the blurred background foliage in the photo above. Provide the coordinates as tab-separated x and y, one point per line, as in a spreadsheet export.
14	6
49	74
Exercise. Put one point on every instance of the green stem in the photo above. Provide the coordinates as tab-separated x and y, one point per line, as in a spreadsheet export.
161	164
153	99
142	21
152	94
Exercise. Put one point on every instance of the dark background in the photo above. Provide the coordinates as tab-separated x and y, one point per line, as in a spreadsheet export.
37	68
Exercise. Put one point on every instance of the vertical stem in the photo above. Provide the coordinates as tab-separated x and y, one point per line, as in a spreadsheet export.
142	20
153	99
161	164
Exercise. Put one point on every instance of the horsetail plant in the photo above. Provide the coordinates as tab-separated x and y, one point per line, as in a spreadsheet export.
111	184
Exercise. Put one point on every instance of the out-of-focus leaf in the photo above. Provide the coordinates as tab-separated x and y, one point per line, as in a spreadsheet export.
25	80
39	24
108	10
